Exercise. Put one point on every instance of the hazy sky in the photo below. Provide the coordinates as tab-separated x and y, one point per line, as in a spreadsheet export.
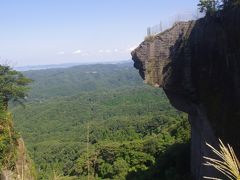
36	32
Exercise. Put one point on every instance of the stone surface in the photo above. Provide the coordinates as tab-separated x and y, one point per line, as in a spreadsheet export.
23	169
197	63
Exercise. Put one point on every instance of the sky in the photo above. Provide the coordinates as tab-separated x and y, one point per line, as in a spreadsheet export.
37	32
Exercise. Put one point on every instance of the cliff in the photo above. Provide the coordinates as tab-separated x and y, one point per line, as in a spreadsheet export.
15	164
197	63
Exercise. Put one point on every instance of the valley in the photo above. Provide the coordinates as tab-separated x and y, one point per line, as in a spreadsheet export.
103	122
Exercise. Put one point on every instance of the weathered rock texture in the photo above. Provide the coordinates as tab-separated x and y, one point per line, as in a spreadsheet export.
23	167
197	63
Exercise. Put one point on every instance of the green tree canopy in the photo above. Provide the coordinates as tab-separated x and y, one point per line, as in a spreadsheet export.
13	85
211	6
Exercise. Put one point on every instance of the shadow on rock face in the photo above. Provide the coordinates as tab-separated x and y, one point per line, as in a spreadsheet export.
198	66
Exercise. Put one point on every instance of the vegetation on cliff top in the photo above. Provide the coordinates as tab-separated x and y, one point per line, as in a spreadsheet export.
8	141
12	88
212	6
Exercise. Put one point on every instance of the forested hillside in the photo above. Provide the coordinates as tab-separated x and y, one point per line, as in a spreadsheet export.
102	121
71	81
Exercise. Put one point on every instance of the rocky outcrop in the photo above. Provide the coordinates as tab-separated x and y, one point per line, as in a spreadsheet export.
14	162
197	63
23	166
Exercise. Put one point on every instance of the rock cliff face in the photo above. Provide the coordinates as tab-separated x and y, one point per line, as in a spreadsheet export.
14	162
23	167
197	63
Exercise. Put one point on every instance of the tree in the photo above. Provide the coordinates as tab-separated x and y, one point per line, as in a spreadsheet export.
209	6
212	6
120	167
13	86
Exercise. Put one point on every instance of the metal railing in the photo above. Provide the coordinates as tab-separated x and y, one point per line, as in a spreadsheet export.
163	25
154	29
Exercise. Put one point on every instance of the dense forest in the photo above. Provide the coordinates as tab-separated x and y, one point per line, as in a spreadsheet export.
101	122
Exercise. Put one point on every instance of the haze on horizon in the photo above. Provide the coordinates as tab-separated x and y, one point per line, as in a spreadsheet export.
73	31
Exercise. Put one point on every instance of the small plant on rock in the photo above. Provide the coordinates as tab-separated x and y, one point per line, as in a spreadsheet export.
228	164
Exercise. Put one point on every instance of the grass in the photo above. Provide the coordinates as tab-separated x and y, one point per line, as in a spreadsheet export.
228	164
149	38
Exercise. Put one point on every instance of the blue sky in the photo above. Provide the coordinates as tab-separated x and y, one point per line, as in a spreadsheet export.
36	32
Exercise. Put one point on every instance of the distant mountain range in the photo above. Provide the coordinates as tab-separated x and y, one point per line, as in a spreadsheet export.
65	65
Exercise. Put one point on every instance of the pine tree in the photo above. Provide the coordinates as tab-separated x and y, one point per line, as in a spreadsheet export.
13	86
